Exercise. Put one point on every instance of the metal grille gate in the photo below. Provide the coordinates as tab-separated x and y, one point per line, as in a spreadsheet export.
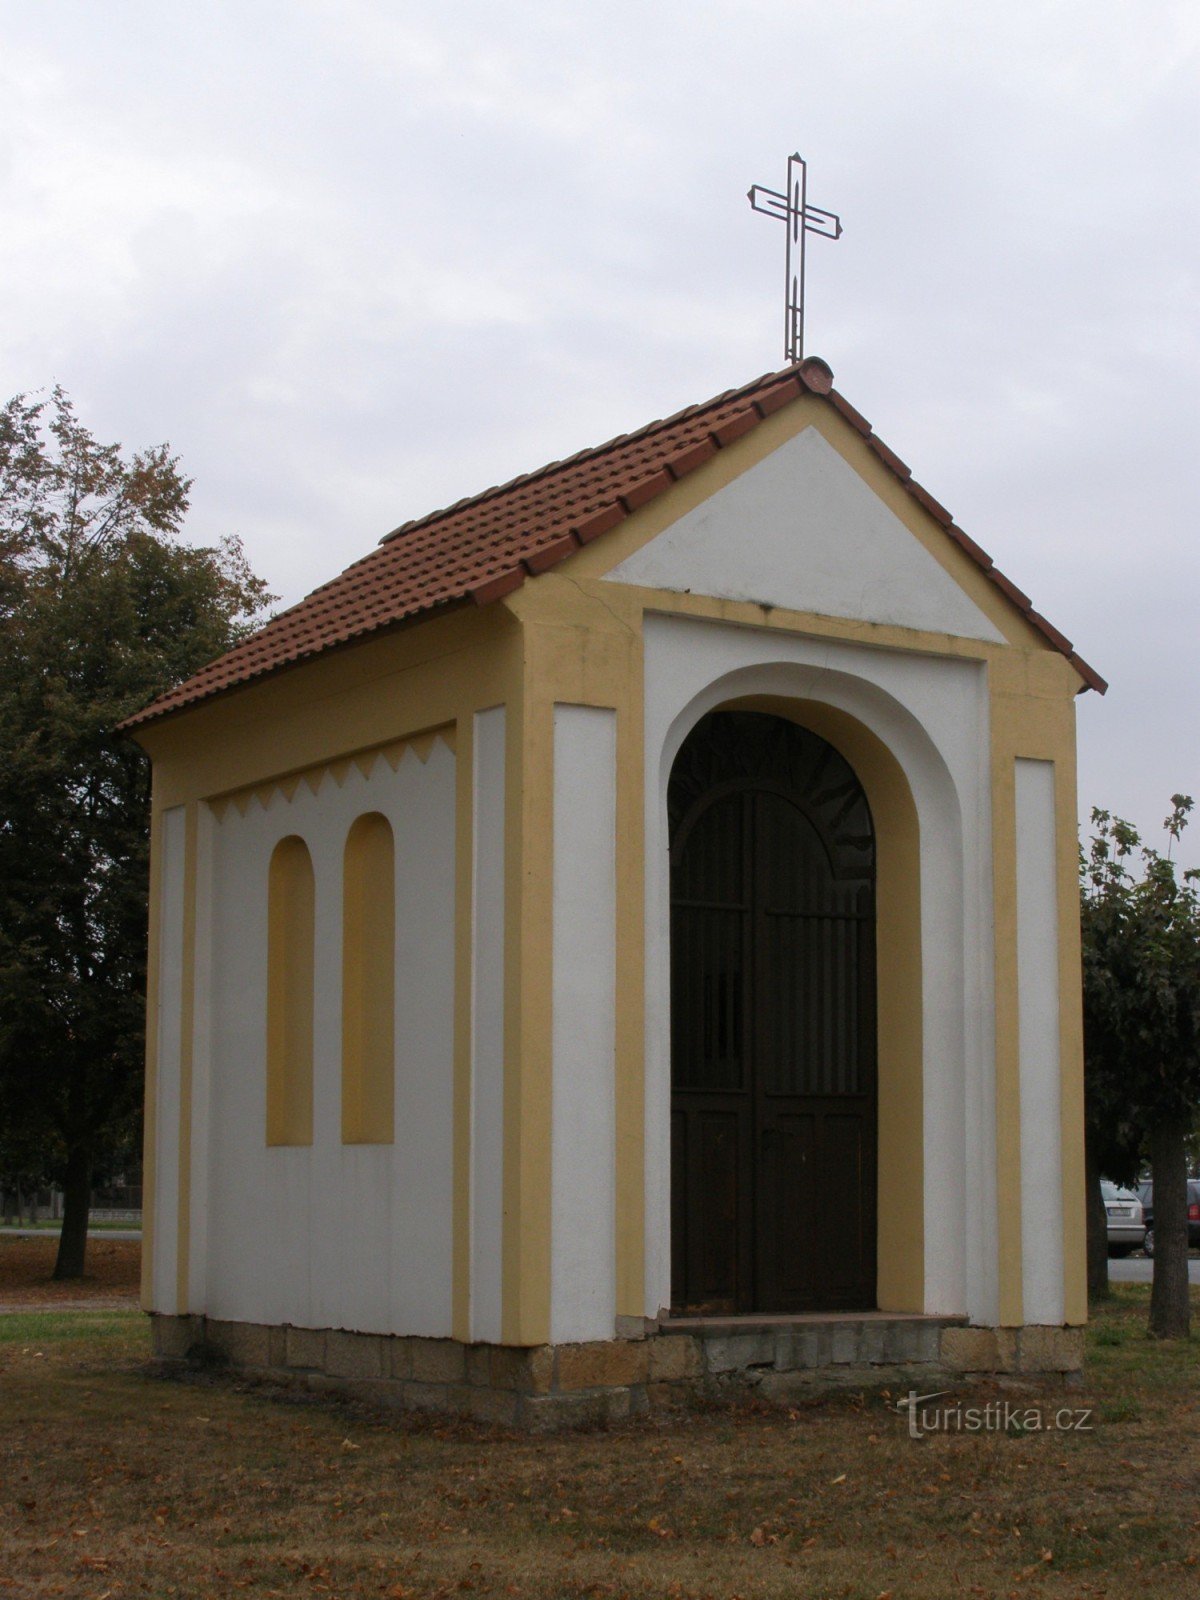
773	1111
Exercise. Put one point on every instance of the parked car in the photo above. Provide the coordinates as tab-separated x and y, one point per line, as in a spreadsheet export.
1126	1229
1146	1194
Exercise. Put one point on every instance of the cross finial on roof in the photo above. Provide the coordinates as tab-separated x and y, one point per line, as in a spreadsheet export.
801	218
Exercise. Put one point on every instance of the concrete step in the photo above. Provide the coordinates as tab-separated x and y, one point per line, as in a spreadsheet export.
728	1345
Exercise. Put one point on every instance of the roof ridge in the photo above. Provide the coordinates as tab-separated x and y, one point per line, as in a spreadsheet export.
592	452
475	555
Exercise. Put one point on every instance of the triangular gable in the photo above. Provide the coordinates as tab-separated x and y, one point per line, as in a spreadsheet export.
483	548
802	530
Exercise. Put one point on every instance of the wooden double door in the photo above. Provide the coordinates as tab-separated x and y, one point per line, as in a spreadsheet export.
773	1109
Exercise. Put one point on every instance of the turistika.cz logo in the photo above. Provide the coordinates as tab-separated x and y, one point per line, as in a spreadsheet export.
998	1416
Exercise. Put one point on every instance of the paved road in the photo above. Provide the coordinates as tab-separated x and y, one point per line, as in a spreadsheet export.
93	1233
1137	1269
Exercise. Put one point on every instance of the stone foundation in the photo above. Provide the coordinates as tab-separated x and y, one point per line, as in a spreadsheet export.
547	1387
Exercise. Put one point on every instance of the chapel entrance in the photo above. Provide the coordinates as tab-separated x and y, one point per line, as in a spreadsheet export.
773	1069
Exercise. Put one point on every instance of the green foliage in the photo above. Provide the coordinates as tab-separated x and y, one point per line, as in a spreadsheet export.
101	609
1141	986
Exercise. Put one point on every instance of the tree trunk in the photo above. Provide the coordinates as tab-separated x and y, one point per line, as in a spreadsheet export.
77	1199
1170	1312
1097	1227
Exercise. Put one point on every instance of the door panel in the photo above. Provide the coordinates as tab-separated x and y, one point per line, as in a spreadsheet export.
849	1249
772	1022
791	1252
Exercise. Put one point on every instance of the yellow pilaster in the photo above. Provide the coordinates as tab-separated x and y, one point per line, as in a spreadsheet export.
528	1018
1008	1058
150	1123
464	780
187	1033
1070	988
1033	717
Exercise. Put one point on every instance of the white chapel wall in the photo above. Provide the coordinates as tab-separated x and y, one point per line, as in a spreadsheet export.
583	1100
330	1235
803	530
1042	1266
932	714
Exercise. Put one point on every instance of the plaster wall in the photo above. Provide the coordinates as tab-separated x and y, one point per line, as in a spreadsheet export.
197	1182
487	1022
353	1236
932	714
803	530
583	1104
169	1055
1038	1044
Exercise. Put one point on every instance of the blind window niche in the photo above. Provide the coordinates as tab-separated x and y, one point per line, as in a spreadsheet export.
290	959
368	982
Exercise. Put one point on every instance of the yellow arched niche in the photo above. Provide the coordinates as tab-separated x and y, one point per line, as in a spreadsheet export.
291	932
900	1282
368	982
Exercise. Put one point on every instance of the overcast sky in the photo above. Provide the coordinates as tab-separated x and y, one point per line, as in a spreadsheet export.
355	259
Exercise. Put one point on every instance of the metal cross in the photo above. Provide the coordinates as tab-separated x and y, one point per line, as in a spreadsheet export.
801	218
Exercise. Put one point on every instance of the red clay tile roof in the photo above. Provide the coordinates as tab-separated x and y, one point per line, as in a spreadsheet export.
487	545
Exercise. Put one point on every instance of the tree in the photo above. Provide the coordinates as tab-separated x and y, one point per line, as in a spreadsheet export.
101	608
1141	982
1112	1136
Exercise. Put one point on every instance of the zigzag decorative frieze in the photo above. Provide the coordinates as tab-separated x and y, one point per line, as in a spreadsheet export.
336	772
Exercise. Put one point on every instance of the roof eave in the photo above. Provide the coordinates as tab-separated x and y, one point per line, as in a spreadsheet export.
766	395
149	716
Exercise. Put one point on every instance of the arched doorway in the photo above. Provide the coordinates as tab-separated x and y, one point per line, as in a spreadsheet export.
773	1048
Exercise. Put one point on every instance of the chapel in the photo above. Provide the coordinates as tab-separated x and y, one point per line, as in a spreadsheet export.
620	938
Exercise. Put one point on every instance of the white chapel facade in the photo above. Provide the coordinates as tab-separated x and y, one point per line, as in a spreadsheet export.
622	936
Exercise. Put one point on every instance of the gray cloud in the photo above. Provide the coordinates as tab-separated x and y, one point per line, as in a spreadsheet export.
357	259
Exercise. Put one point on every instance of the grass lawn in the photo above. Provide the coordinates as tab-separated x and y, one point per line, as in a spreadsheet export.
115	1482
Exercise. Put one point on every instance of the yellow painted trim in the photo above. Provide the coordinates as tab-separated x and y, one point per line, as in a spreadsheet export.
369	981
334	708
585	651
269	741
286	785
1070	1042
572	635
584	646
527	1021
605	554
1033	717
630	1040
187	1035
1007	1039
559	590
150	1111
291	901
900	1161
464	862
